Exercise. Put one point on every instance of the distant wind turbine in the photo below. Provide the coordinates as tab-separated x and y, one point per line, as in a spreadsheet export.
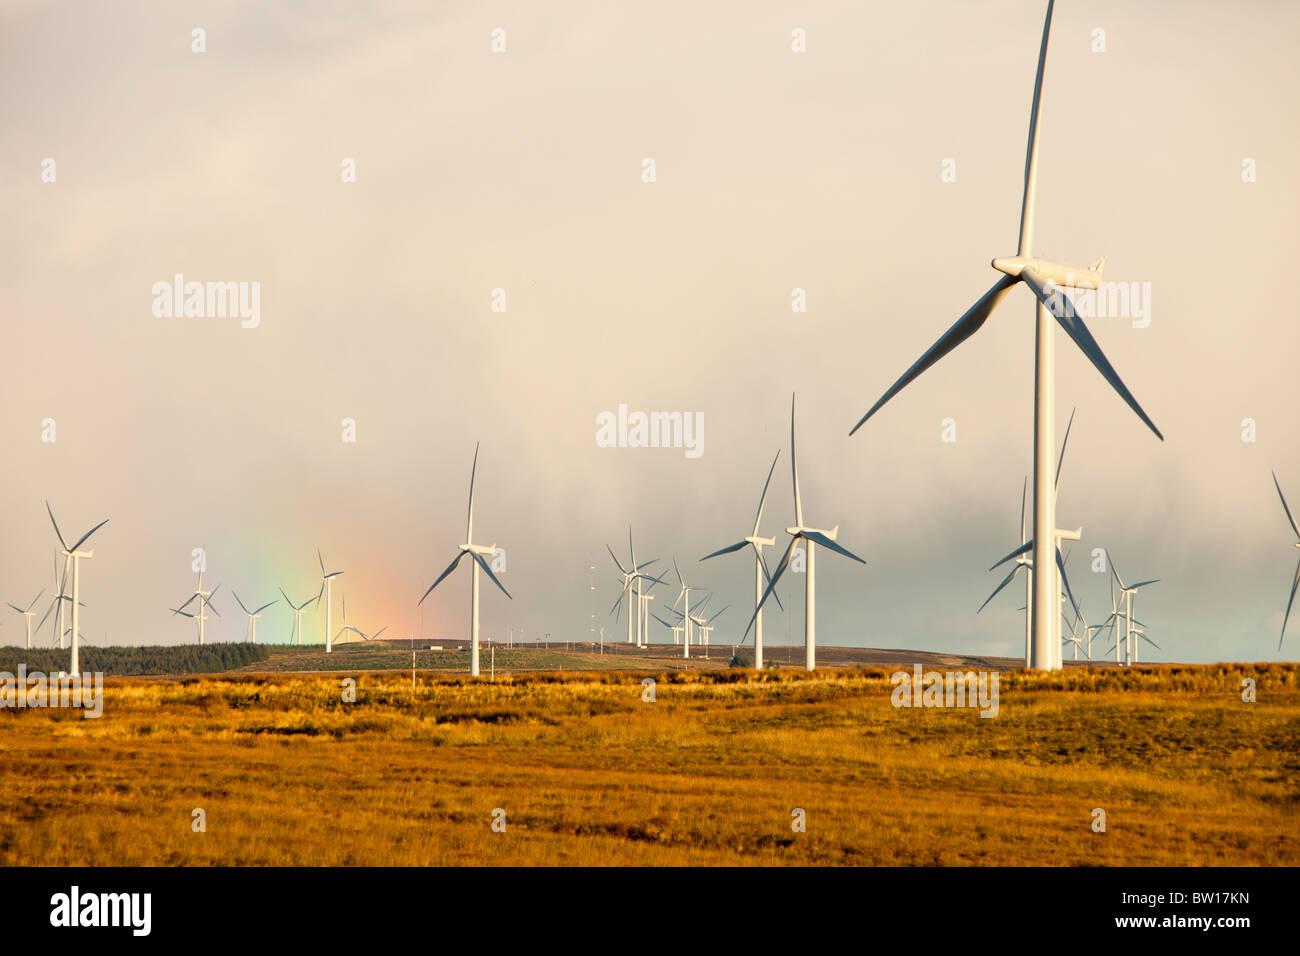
476	552
761	575
811	537
205	599
684	595
1045	279
1126	593
327	582
298	611
76	556
28	615
250	633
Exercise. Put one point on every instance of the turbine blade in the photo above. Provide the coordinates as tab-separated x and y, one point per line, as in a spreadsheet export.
321	560
767	576
1065	579
621	569
82	539
825	542
263	607
758	518
1142	584
1284	507
469	522
1151	642
960	331
780	569
1031	152
1005	582
1026	547
15	607
794	468
488	568
727	550
1291	600
1056	483
1023	488
375	636
239	602
661	620
450	568
615	610
1063	309
59	533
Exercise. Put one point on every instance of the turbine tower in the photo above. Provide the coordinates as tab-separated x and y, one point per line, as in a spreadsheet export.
476	552
761	575
75	555
684	594
327	582
811	537
1126	593
1044	278
1296	583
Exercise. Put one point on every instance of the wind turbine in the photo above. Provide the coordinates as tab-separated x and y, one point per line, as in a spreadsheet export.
327	582
706	627
631	579
761	575
675	628
643	600
811	537
476	552
204	597
28	615
75	555
684	593
1126	592
1296	583
1044	278
251	631
298	611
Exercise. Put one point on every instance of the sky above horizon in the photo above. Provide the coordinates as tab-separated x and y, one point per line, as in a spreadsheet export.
826	171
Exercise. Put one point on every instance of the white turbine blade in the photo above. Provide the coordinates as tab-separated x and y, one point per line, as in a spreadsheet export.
794	468
263	607
767	576
82	539
717	615
469	522
1031	152
780	569
35	599
680	580
1065	579
631	550
622	570
240	603
59	533
378	632
1284	507
758	518
1118	579
1023	531
1142	584
321	560
15	607
1062	308
1291	600
727	550
487	568
186	604
450	568
661	620
996	590
615	610
1024	548
960	331
1056	484
819	538
1151	642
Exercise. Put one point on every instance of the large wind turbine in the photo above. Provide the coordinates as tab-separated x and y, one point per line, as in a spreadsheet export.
632	576
476	552
811	537
251	631
76	556
1296	583
327	581
28	615
761	576
1044	278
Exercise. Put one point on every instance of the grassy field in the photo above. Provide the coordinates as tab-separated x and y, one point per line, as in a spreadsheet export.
588	773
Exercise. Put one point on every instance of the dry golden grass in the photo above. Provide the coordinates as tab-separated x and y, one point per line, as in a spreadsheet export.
708	774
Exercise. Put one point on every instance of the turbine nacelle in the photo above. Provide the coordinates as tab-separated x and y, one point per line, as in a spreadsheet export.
800	530
1058	272
758	542
484	550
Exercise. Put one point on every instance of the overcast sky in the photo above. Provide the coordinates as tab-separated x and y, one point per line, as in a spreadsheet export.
522	171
